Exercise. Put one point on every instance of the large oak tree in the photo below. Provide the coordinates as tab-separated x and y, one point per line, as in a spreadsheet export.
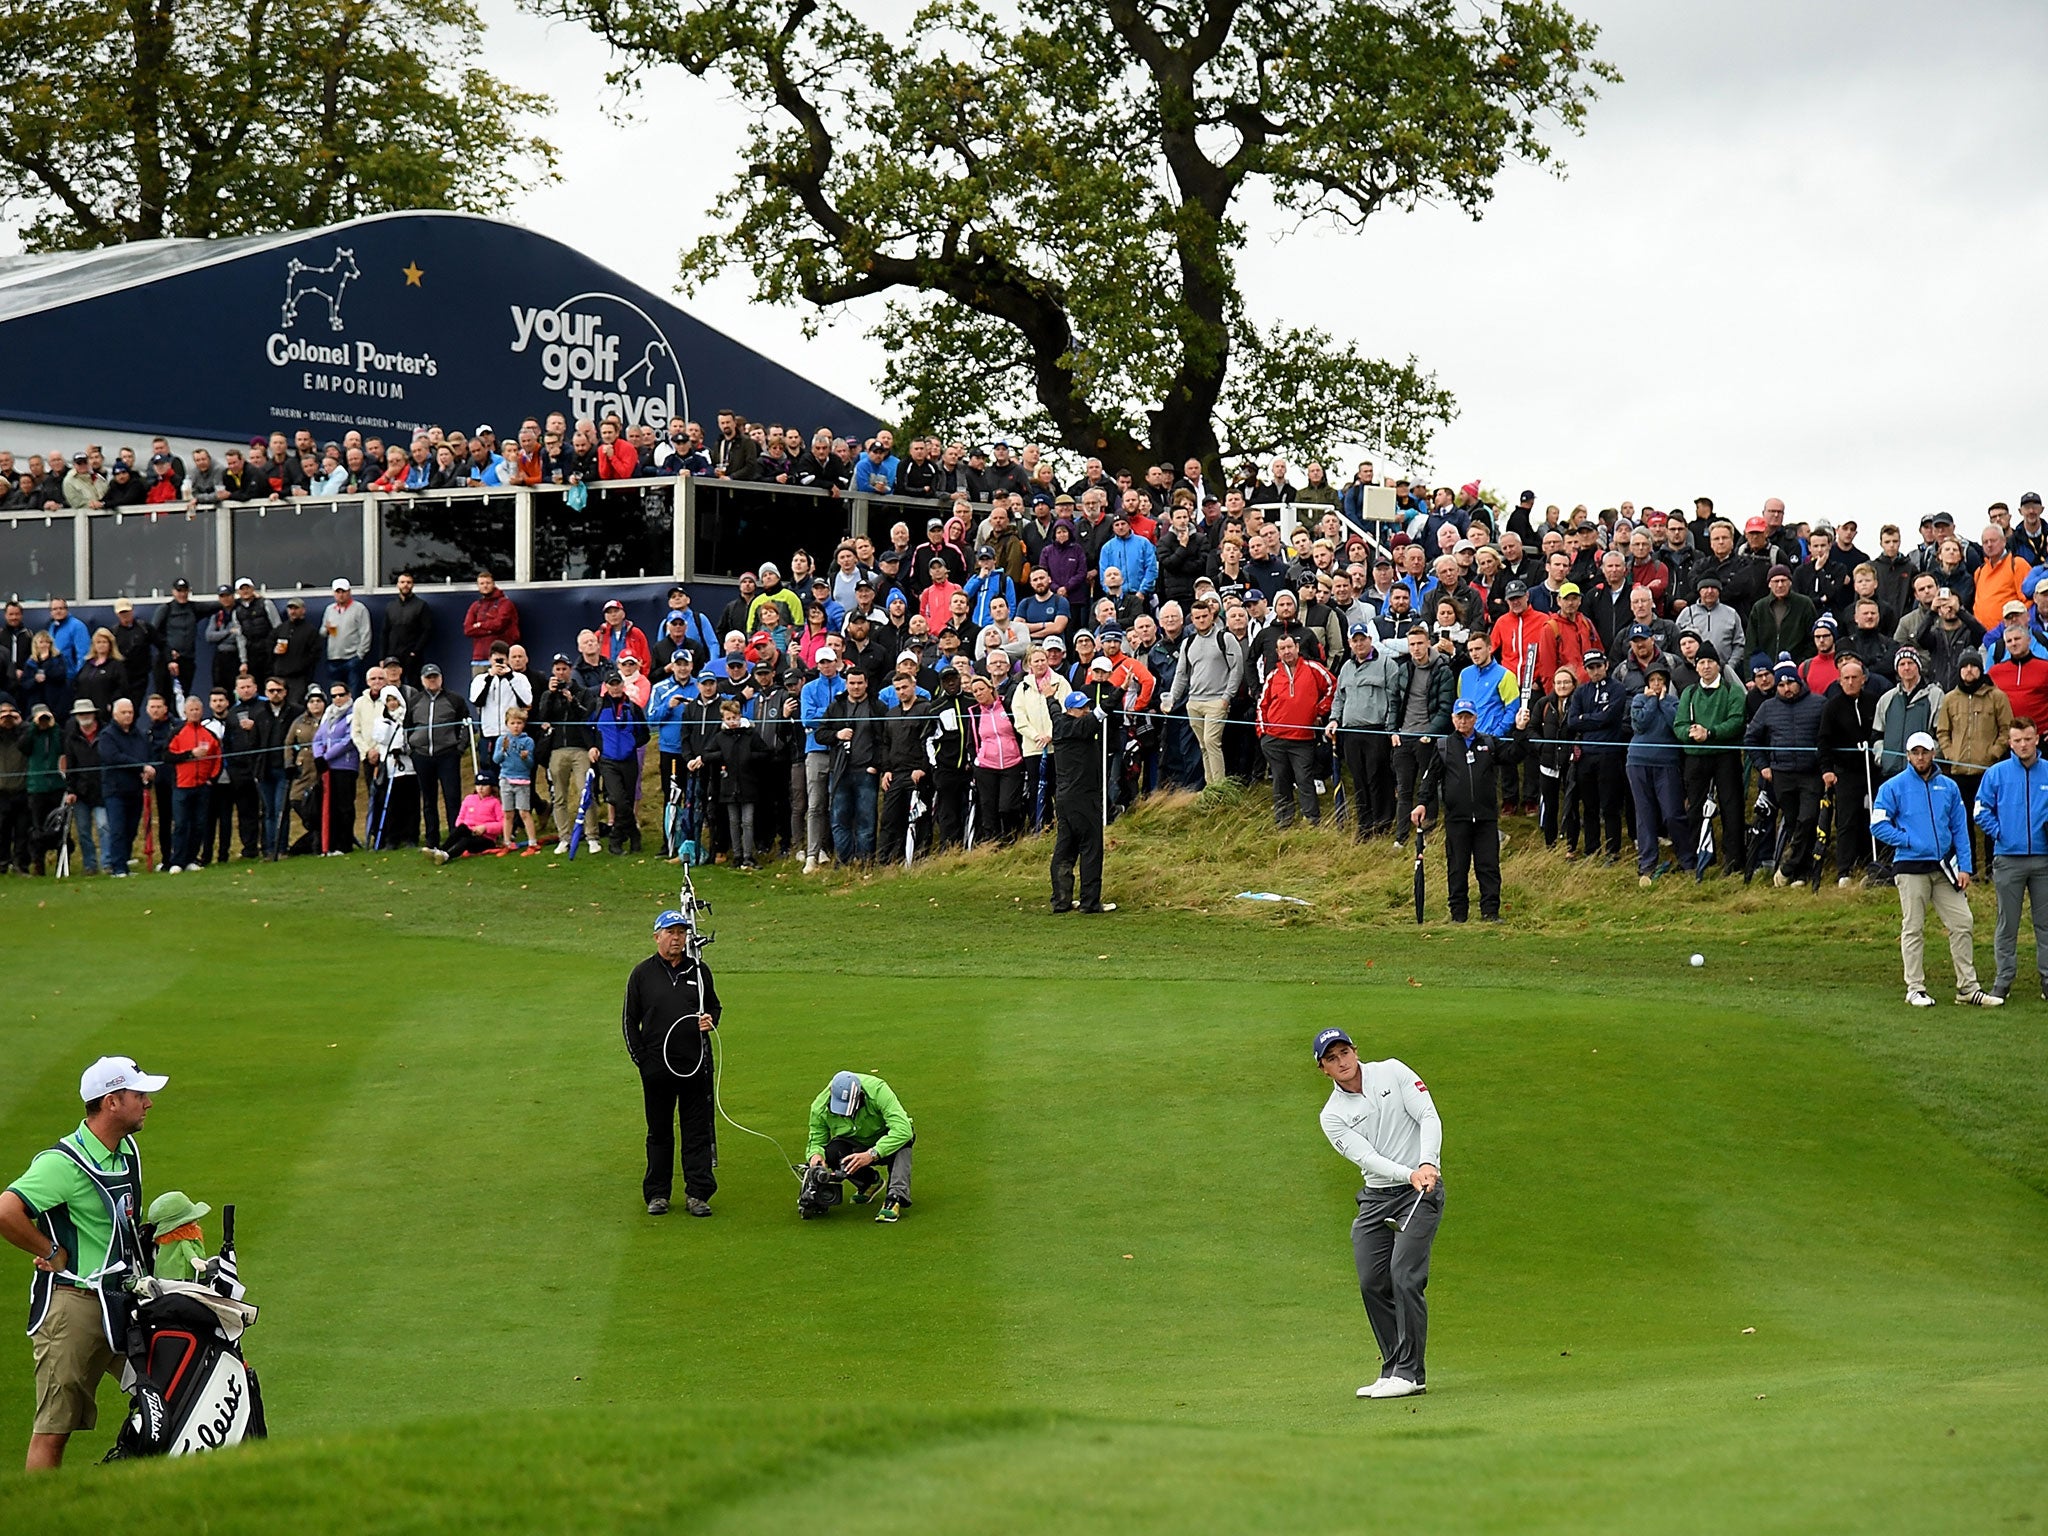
1052	200
133	119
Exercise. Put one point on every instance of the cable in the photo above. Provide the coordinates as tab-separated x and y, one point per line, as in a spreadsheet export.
718	1101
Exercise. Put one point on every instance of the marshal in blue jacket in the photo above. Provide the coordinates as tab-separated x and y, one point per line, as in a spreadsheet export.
2012	807
1921	819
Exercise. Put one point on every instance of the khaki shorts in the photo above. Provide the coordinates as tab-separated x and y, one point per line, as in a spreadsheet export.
71	1355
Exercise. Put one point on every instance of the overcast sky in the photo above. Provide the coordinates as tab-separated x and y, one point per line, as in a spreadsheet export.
1802	251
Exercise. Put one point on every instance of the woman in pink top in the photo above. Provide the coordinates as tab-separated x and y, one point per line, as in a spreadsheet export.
998	766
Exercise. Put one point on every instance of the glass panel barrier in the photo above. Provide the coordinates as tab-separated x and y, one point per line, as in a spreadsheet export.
139	554
285	546
446	539
741	525
38	559
622	533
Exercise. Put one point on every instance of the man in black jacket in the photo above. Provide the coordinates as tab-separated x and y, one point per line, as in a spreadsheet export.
905	768
1077	802
1844	739
274	714
1465	767
670	1010
296	649
853	725
177	644
408	629
438	731
1785	731
1597	718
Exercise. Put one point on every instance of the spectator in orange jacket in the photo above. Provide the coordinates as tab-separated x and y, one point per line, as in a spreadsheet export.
1292	709
194	752
2000	580
1570	638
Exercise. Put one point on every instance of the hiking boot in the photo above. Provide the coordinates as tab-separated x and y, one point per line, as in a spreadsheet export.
697	1207
657	1207
892	1211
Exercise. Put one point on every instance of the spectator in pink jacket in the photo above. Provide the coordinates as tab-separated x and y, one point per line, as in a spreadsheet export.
479	828
998	766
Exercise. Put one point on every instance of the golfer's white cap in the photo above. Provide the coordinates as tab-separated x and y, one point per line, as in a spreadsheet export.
116	1074
1920	739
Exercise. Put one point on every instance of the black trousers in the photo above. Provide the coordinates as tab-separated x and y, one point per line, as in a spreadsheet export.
1556	810
1604	795
440	779
615	779
950	788
1077	841
686	1102
895	815
238	800
1293	765
998	803
1797	796
1367	760
395	812
339	815
160	796
1720	772
1472	847
1408	760
14	821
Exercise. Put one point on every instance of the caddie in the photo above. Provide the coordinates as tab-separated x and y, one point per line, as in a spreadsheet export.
75	1211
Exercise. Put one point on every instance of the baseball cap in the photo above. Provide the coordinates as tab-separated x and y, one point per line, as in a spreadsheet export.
1075	700
828	654
1325	1038
1518	588
1919	739
2013	606
986	552
1641	632
1109	632
910	656
181	585
1464	707
243	581
1462	547
1053	643
2030	499
430	670
122	467
81	458
116	1074
1756	525
1596	658
671	919
483	427
1360	629
224	590
628	656
1527	496
1100	664
341	584
561	659
290	602
614	603
845	1094
122	605
165	458
676	618
733	659
613	675
1568	589
1944	520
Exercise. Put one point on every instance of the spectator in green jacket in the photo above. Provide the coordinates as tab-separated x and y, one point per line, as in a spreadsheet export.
1782	620
855	1123
1709	726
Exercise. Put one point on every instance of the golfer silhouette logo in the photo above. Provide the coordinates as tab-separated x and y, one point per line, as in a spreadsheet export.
302	281
645	367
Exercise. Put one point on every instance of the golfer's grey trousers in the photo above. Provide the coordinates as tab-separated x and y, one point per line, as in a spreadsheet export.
1916	894
1393	1272
2019	878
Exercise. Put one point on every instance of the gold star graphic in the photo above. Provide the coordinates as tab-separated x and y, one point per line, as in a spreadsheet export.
413	274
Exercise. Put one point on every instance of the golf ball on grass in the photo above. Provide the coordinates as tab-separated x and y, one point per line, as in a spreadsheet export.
1699	960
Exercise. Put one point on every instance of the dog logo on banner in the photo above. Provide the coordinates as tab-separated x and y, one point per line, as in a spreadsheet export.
328	282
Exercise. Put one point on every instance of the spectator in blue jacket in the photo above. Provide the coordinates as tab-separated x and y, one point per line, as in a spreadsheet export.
875	474
620	727
2012	808
72	639
1135	557
1656	776
988	583
1918	814
818	695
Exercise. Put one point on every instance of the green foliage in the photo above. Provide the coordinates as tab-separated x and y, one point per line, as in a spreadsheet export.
209	118
1053	197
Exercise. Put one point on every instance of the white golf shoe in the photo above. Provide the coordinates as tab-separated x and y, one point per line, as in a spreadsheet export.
1919	999
1394	1386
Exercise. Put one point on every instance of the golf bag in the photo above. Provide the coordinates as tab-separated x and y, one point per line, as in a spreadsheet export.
190	1390
822	1189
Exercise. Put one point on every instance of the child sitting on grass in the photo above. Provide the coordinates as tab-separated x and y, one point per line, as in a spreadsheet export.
514	756
478	827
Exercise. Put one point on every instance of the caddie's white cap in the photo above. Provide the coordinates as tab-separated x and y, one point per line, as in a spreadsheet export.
1920	739
115	1074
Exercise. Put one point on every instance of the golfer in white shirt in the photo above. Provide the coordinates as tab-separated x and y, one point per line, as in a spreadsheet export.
1380	1118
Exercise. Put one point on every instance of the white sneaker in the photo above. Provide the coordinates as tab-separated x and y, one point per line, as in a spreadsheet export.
1981	999
1396	1386
810	863
439	855
1919	999
1844	883
174	869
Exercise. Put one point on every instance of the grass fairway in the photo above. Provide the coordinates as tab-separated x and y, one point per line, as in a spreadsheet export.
1123	1301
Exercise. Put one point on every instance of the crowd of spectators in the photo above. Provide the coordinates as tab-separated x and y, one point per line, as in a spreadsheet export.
894	694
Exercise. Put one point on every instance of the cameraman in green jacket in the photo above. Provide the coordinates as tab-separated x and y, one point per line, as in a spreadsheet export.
855	1123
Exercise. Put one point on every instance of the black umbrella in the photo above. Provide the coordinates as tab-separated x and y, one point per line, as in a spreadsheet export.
1421	890
1823	831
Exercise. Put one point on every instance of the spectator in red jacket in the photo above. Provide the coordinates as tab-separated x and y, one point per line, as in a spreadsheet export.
1570	638
2022	677
622	637
1292	709
163	485
490	618
616	458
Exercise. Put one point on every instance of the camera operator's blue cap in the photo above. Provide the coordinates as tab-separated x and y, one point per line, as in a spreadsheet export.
670	919
845	1094
1329	1037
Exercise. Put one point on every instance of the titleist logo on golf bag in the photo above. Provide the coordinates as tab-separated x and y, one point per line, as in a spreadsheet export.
219	1412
